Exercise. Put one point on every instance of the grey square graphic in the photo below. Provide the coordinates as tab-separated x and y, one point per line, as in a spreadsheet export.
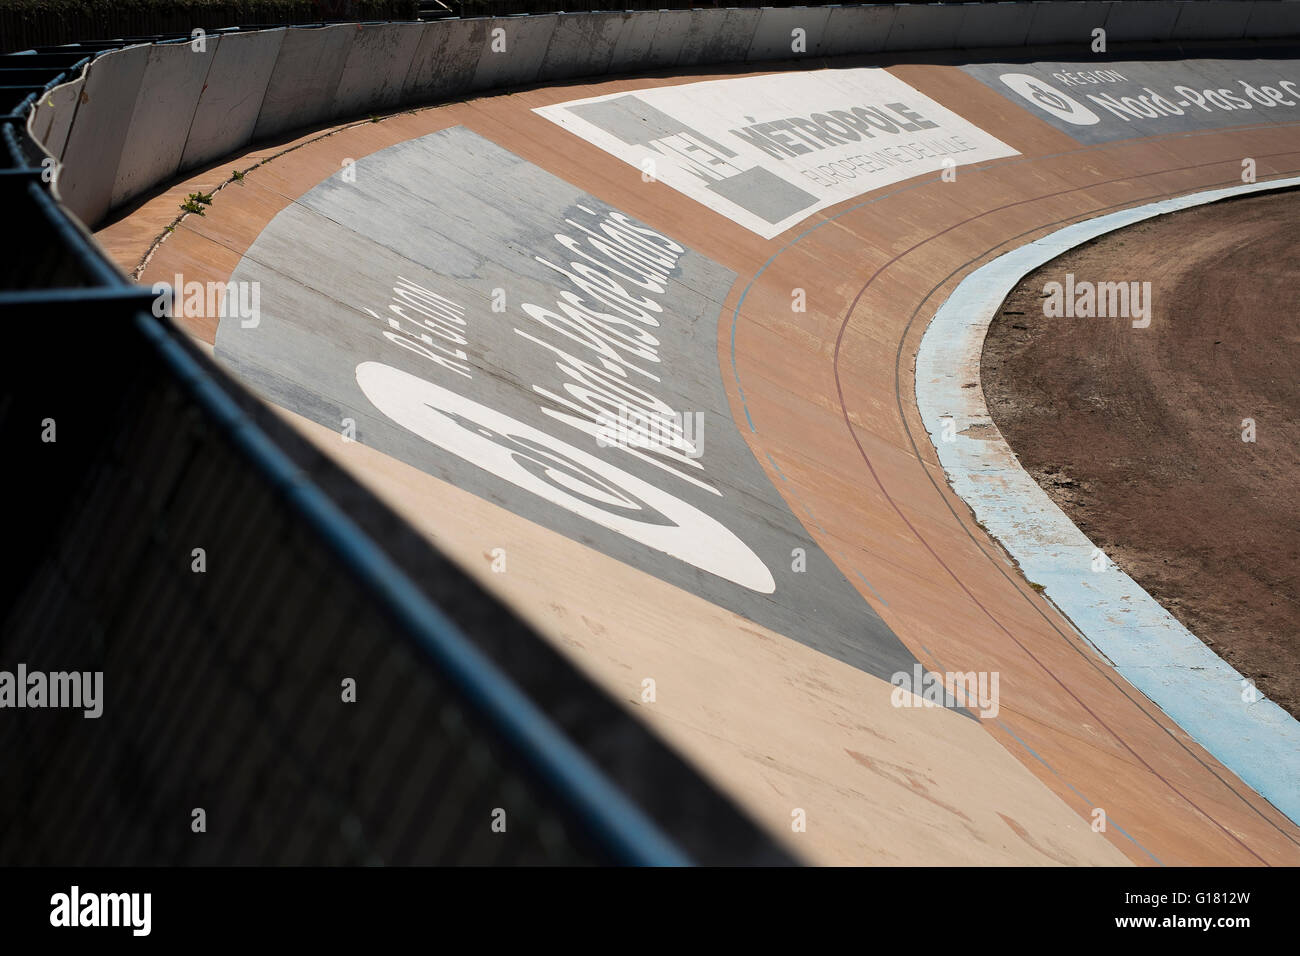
764	194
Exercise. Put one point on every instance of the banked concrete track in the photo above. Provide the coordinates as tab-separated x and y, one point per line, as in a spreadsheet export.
752	589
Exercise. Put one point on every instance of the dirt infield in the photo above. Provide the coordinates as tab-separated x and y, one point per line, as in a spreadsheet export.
1139	434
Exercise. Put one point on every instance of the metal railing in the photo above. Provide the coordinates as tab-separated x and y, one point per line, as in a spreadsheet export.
24	25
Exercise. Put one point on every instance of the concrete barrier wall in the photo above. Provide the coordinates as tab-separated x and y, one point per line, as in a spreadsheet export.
1141	21
40	121
145	113
174	77
1066	22
231	99
774	37
729	42
1211	20
582	45
632	52
925	27
445	60
50	124
374	75
514	50
1274	19
669	38
992	25
858	29
98	133
306	76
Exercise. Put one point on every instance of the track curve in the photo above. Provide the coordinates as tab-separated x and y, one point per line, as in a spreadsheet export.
1231	269
786	701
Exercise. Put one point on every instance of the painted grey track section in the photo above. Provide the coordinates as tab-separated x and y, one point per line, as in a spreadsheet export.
1095	102
490	232
1254	738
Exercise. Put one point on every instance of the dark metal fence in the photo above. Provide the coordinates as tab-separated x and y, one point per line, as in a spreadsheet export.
236	590
227	627
502	8
32	23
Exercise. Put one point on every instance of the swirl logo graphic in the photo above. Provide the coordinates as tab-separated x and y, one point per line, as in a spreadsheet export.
1049	99
562	474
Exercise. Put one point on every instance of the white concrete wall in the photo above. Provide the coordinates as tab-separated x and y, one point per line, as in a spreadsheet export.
670	34
227	109
513	52
164	112
774	38
145	113
1070	23
719	36
632	51
445	60
1207	20
306	76
1141	21
1273	19
582	45
992	25
94	146
925	26
375	72
858	29
49	125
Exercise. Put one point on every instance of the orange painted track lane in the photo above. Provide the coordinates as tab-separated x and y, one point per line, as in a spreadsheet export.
1066	708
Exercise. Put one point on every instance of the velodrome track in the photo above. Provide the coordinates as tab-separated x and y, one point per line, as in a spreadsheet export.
777	687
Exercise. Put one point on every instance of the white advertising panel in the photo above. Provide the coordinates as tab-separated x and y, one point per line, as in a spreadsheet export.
768	151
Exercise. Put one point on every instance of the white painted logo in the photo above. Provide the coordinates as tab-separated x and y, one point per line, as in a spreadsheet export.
769	151
562	474
1049	99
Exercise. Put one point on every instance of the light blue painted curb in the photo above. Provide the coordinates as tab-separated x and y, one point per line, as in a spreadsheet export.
1257	740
